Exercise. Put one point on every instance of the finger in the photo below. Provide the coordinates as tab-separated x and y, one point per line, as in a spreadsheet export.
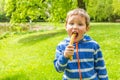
70	52
70	46
70	49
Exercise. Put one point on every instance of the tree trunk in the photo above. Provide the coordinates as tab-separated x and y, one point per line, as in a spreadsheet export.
81	4
43	1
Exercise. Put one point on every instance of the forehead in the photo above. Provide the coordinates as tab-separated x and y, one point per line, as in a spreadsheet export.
76	18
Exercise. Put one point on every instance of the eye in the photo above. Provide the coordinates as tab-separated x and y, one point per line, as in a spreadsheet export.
80	24
71	24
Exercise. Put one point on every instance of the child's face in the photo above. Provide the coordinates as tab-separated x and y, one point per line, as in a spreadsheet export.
76	24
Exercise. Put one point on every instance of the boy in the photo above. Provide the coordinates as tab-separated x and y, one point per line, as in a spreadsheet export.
87	63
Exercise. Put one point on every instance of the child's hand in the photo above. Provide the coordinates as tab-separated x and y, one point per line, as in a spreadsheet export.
69	51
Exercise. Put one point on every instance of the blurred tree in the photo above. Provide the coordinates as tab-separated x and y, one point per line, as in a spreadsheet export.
100	10
56	10
2	3
2	12
81	4
59	9
24	10
116	6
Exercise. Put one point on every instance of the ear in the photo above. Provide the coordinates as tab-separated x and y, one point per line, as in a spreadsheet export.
87	28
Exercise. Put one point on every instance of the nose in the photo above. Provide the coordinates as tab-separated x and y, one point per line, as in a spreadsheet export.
75	27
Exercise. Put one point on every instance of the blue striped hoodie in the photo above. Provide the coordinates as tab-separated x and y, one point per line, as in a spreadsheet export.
92	64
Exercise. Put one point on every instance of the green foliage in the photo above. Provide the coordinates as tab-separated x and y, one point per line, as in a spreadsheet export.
100	10
59	9
56	10
25	10
2	3
30	56
21	11
116	6
3	18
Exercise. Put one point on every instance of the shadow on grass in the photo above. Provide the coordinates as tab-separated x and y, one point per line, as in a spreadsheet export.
16	77
40	37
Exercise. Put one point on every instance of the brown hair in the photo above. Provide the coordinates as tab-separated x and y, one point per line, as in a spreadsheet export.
80	12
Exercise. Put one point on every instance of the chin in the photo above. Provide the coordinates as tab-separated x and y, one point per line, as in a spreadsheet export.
77	39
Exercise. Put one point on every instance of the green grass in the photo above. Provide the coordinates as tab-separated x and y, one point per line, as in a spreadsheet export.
30	56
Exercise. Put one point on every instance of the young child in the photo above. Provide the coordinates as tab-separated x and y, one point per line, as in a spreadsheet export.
87	62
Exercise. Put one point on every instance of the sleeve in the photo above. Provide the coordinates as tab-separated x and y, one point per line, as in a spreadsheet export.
100	64
60	61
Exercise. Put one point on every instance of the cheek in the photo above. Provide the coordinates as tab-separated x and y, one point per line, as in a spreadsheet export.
82	30
68	28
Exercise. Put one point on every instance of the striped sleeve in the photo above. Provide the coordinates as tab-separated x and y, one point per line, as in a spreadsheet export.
60	61
100	64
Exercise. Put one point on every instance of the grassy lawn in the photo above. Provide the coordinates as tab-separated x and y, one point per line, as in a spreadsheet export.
30	56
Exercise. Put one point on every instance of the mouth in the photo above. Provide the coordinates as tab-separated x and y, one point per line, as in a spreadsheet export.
76	34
